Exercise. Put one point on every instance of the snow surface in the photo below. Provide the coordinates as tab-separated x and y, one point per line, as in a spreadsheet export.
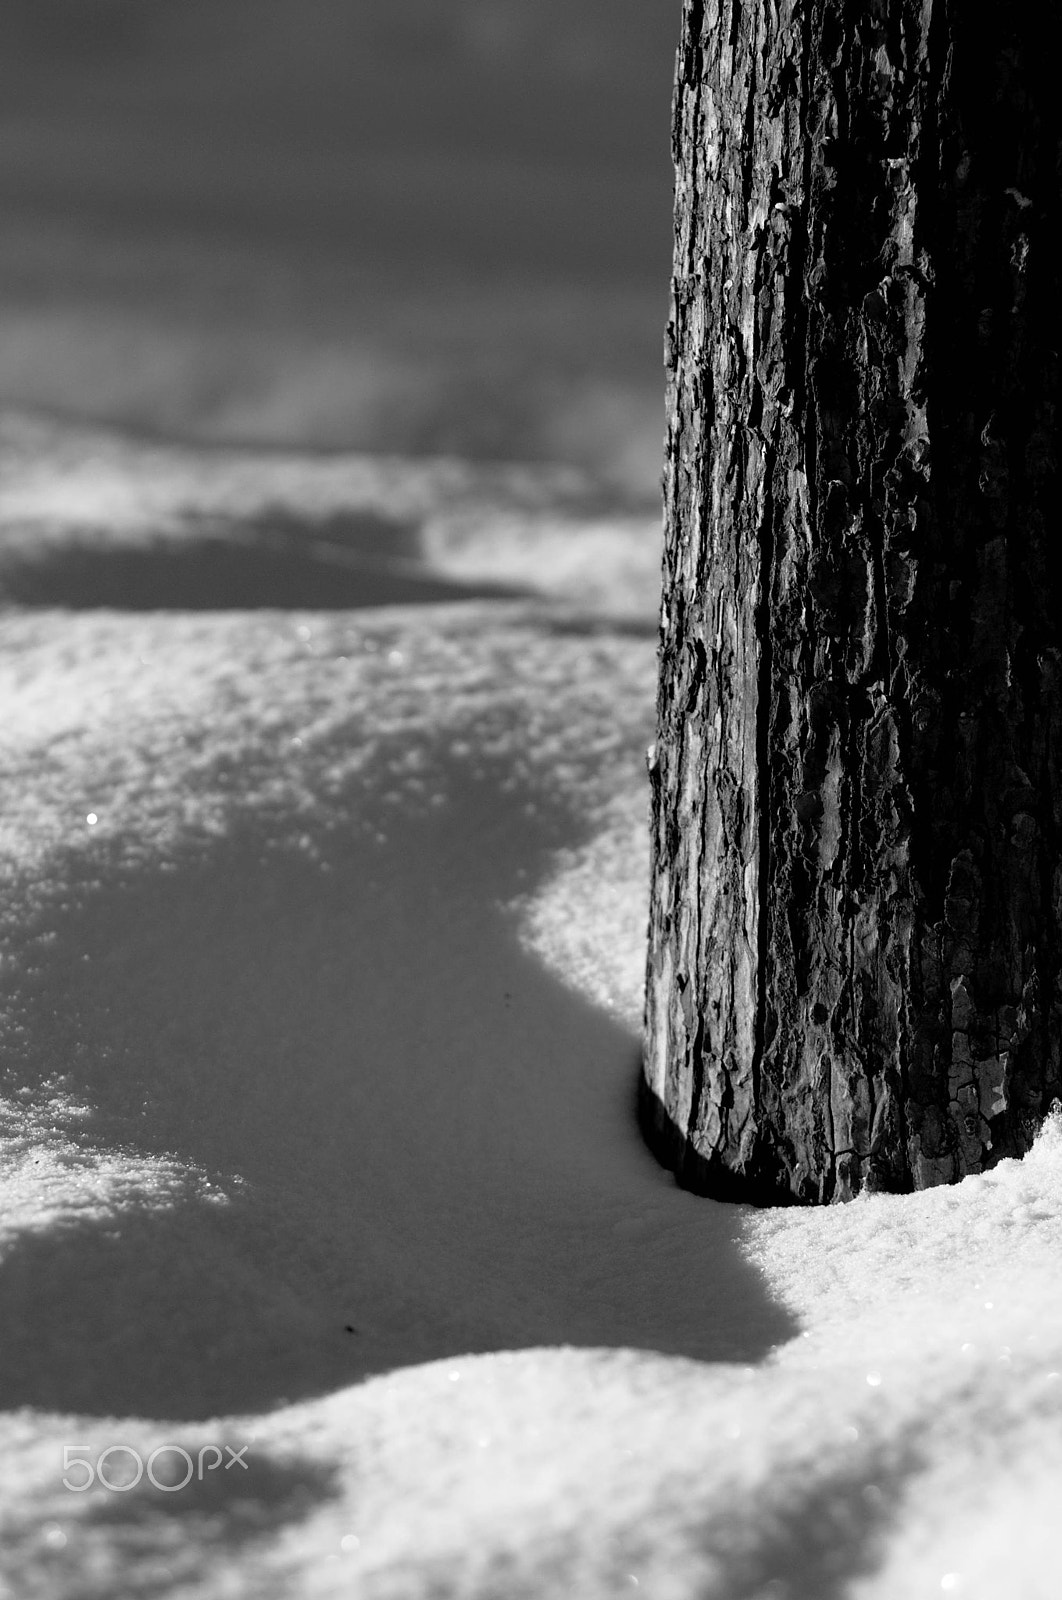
321	941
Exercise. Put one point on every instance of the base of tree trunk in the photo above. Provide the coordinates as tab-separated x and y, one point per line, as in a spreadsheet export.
675	1151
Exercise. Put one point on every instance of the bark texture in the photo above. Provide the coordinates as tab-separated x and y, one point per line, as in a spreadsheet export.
854	965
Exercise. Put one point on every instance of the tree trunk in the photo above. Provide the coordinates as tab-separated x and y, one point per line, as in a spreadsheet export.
854	965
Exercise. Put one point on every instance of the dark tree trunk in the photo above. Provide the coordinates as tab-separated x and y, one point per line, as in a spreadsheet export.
854	966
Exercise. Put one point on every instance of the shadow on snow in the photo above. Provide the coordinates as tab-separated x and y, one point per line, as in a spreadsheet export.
356	559
426	1141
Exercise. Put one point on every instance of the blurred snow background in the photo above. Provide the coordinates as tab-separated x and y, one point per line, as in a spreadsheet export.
438	227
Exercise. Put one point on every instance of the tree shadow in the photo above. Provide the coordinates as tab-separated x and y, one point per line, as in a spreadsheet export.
187	1514
261	1493
275	560
808	1537
424	1139
826	1538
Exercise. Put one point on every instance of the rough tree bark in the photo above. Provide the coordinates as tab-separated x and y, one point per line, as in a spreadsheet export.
854	966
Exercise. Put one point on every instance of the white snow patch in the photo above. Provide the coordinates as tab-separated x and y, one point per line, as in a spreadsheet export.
588	920
48	1178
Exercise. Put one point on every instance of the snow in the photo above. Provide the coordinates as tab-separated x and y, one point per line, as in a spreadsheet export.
316	1133
86	511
